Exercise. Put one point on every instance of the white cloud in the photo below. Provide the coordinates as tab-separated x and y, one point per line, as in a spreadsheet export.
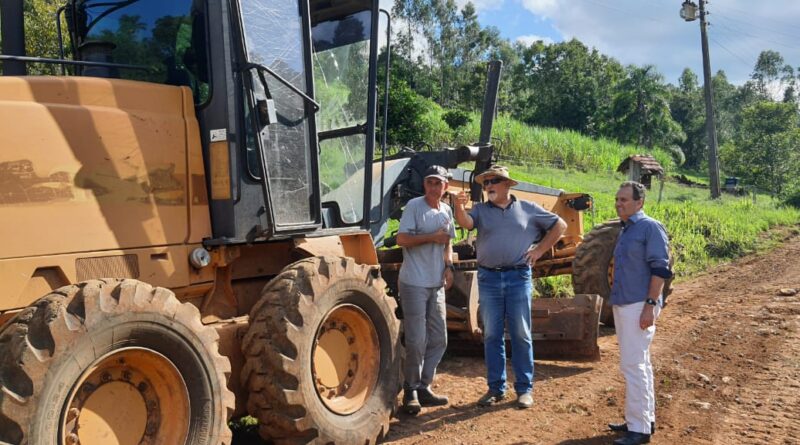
531	38
543	7
481	5
651	32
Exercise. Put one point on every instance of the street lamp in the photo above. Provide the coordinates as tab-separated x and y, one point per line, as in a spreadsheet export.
689	13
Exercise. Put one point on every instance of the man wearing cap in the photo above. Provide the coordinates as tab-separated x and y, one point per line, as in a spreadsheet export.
426	229
512	235
641	267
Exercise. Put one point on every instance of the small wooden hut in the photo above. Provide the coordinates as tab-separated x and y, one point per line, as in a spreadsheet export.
641	168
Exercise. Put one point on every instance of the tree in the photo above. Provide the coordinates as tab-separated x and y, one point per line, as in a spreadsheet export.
406	126
686	106
772	76
765	148
41	37
640	111
726	106
564	85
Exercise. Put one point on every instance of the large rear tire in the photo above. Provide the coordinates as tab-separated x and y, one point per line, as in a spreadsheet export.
112	362
593	267
322	354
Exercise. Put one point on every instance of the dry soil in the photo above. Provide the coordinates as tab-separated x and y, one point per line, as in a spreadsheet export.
726	359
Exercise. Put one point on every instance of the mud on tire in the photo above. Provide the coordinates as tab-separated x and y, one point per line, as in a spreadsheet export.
79	341
321	315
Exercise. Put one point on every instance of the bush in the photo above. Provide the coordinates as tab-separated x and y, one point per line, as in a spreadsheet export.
793	199
406	124
456	119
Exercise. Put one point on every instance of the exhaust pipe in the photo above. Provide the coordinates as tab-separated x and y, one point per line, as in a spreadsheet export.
12	26
484	160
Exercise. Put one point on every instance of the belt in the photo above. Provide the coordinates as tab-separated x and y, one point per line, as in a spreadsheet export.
505	268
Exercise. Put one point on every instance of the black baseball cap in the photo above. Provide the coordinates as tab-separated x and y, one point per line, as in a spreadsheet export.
437	171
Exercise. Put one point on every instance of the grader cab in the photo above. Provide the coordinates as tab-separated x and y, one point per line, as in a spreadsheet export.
174	254
190	203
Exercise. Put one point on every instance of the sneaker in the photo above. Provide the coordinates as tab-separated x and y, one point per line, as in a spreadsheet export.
525	400
411	403
491	398
428	398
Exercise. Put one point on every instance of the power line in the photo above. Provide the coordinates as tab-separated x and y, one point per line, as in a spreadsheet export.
759	19
755	36
750	24
752	48
730	52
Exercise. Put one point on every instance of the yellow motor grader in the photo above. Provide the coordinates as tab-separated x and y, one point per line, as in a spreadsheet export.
189	215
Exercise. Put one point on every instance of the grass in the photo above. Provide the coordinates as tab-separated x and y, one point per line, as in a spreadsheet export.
543	146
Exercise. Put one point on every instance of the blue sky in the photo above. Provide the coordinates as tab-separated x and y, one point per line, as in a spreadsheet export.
651	31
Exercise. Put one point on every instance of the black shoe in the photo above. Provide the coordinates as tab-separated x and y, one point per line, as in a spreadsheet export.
428	398
632	438
623	427
491	398
411	403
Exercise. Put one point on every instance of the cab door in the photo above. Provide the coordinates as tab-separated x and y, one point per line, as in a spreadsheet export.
278	87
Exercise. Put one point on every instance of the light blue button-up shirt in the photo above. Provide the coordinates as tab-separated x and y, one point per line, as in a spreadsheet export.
642	251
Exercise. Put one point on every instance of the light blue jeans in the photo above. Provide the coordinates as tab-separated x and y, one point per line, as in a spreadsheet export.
505	297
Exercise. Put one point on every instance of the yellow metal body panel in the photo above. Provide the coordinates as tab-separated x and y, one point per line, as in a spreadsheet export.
103	175
165	266
95	164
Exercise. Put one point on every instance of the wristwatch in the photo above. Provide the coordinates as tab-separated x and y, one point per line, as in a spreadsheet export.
651	302
450	266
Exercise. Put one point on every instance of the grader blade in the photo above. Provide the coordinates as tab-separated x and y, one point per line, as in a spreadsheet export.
566	328
563	328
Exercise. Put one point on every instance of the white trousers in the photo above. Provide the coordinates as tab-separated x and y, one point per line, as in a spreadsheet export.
634	352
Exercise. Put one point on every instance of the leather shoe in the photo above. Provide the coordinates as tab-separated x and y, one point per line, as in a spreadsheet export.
428	398
411	402
632	438
623	427
525	400
491	398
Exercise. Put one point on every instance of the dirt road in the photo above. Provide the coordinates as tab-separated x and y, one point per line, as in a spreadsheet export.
726	359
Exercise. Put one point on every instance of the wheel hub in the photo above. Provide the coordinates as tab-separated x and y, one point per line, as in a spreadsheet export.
346	360
133	396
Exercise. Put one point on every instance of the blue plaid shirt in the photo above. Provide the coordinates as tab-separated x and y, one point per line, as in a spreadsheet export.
642	251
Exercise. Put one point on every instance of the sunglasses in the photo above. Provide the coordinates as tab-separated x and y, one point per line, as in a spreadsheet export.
493	181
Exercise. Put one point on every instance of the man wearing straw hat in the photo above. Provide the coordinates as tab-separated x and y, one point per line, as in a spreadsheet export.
512	235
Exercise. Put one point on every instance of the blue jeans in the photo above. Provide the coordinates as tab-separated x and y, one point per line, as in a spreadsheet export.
506	297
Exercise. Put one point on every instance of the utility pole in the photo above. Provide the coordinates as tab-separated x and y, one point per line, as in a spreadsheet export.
688	13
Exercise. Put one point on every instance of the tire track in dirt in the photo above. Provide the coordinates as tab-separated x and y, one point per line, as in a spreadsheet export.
727	365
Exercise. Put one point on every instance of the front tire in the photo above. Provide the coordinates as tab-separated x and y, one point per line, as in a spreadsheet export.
323	354
112	362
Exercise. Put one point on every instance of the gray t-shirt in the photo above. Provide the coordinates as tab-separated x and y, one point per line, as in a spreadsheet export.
423	265
505	235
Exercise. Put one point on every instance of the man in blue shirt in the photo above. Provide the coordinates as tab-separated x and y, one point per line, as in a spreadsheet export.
641	266
512	235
